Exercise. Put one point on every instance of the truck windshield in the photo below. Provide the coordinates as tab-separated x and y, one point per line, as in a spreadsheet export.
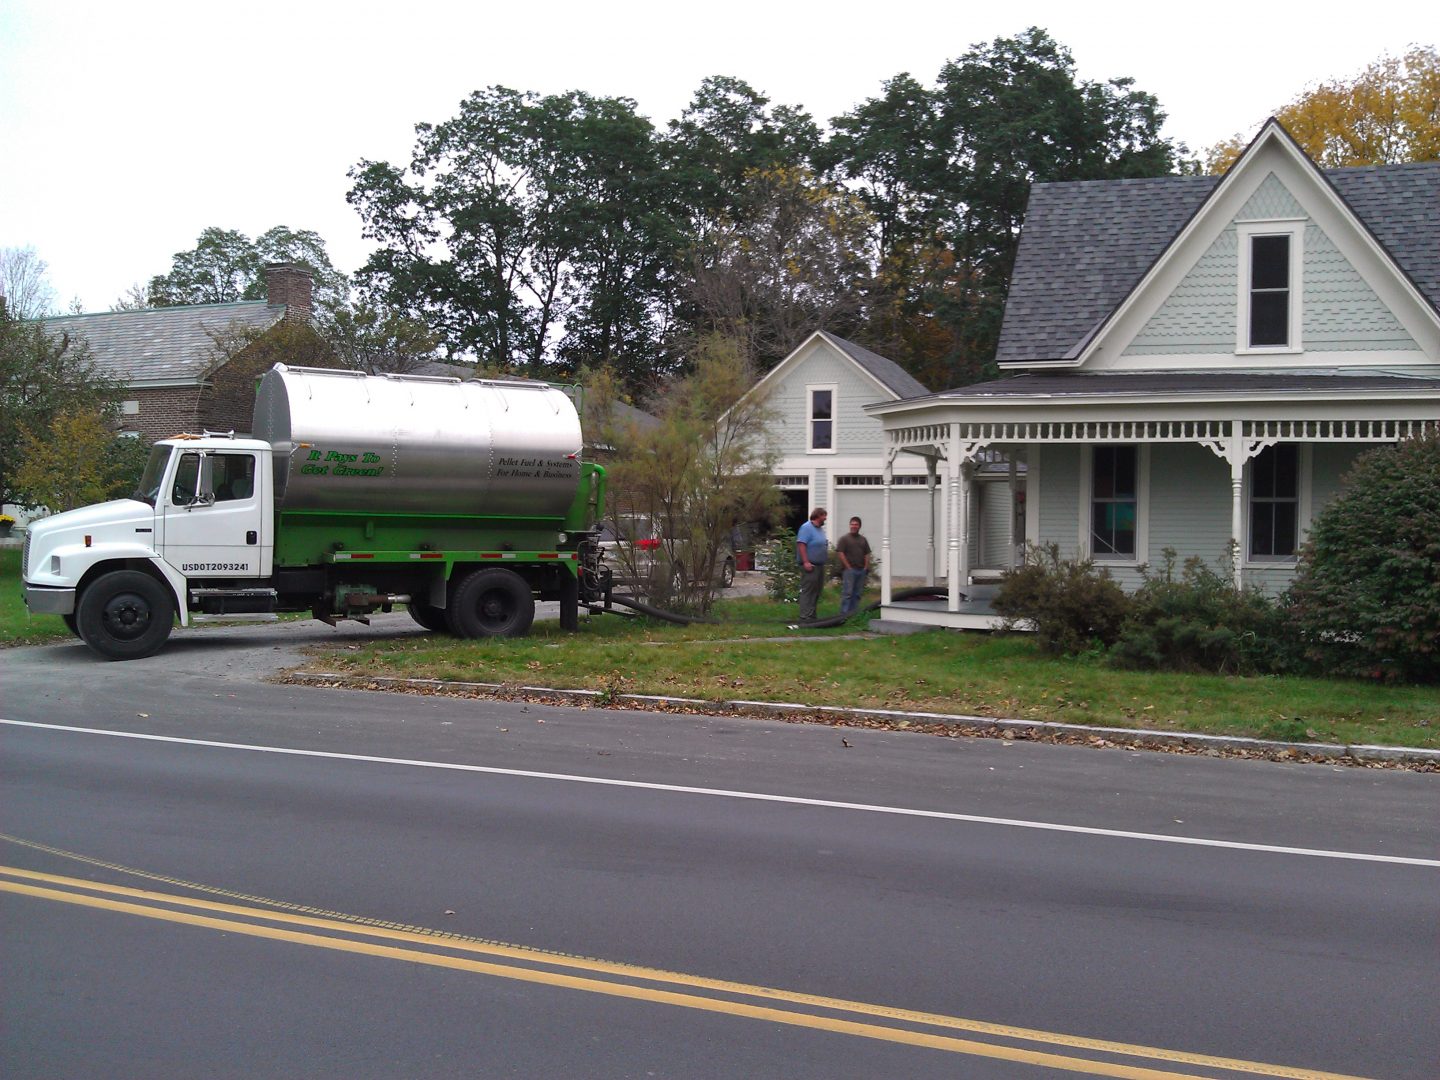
149	488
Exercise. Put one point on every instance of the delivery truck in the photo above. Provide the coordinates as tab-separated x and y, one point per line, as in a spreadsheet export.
465	501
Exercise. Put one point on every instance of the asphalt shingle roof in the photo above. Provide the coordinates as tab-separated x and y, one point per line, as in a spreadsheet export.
1087	244
161	343
890	374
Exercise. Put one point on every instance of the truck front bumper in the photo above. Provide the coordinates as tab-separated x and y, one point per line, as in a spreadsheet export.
45	600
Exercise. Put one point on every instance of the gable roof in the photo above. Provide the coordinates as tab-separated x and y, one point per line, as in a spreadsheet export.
886	372
1086	246
162	345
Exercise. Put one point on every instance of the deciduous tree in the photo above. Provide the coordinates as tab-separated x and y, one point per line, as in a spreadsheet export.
41	377
1387	114
23	284
706	467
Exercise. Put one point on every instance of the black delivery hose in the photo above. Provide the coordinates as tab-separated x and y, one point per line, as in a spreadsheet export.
939	592
658	613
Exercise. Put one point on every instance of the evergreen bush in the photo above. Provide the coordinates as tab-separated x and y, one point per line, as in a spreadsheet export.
1199	622
1366	597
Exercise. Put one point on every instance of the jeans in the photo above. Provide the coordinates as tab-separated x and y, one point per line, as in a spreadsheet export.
852	584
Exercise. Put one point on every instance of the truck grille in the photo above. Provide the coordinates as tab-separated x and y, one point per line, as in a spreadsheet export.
25	556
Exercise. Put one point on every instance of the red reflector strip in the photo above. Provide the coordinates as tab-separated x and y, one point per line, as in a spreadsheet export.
427	554
549	555
361	555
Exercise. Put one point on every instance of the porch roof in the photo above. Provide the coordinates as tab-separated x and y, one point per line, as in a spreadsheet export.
1043	387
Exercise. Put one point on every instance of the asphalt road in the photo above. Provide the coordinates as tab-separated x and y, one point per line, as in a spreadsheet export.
620	890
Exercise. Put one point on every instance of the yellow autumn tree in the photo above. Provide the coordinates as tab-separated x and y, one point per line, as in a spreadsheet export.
65	465
1387	114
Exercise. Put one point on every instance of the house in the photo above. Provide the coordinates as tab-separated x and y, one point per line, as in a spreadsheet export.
1192	363
832	454
177	379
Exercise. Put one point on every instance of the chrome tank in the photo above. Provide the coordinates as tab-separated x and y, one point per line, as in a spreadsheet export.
408	444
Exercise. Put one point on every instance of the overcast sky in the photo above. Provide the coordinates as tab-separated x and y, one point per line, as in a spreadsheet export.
127	128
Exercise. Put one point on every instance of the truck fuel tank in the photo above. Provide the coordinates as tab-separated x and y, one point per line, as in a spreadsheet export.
406	444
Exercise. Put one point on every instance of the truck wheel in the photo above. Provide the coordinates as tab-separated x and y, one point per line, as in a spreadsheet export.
428	616
569	602
125	614
491	603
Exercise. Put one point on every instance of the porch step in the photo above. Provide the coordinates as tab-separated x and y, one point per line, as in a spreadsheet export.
896	627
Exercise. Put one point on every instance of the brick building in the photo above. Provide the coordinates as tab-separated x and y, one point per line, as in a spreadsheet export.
194	368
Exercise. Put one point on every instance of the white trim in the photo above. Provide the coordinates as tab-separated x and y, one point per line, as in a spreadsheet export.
811	389
1032	494
1245	233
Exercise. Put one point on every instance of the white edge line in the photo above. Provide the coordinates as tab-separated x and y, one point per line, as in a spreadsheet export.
753	796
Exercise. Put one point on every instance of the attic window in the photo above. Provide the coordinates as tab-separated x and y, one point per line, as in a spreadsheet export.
1270	266
821	419
1269	291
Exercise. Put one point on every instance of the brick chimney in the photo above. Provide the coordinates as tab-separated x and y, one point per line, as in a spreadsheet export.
289	284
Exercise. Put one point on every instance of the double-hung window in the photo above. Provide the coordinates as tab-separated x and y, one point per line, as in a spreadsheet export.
1269	300
821	419
1114	501
1275	502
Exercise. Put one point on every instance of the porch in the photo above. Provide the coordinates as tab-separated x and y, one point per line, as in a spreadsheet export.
973	613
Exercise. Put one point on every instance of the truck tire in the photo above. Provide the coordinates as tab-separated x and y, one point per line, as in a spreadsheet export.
428	616
569	602
71	623
491	603
125	615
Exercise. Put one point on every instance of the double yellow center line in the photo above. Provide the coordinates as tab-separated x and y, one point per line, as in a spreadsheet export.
1095	1057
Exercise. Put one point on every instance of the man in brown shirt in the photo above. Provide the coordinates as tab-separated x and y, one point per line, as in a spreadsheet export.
854	552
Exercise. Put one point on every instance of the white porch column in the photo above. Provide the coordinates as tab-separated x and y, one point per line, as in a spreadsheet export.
1237	457
885	546
1010	531
957	524
967	514
931	482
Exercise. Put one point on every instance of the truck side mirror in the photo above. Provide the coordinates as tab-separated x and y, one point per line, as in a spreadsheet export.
205	489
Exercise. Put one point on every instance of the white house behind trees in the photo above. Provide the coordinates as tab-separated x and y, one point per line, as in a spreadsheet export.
1195	362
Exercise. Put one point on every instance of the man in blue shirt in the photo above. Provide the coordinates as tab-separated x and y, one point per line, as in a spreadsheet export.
811	550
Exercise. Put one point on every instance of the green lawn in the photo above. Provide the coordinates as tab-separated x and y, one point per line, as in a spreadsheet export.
17	625
752	655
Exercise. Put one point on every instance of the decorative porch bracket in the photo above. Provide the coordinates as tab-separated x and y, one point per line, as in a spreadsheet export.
1236	451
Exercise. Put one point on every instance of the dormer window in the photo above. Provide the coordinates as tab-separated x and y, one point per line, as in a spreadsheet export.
1269	286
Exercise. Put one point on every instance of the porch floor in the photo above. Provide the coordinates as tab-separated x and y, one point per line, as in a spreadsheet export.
975	613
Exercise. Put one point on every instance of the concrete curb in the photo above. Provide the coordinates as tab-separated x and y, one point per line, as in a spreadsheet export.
922	722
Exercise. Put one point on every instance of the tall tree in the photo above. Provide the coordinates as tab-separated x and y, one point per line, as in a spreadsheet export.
795	263
728	131
517	217
225	266
1387	114
1010	114
23	283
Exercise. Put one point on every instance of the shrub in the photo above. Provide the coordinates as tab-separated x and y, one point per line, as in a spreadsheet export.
1071	604
782	572
1366	597
1200	622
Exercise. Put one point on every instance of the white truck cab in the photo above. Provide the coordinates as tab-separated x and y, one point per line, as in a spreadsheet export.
201	518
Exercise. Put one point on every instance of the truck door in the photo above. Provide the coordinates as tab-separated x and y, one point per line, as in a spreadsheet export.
212	515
